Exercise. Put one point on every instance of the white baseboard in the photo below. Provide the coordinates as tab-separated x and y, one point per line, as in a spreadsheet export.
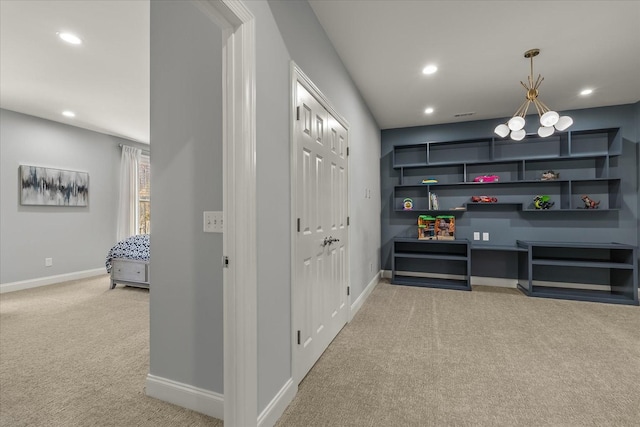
357	304
185	395
274	410
50	280
386	274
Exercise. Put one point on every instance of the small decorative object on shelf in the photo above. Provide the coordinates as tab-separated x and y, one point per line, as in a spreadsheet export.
550	175
484	199
429	181
486	178
542	202
407	204
446	227
434	204
589	203
426	227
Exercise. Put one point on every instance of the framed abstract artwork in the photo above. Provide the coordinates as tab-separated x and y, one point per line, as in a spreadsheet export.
42	186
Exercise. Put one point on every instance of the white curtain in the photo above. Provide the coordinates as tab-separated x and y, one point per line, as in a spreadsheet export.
128	199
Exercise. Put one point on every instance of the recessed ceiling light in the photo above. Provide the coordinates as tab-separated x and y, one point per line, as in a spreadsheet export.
586	92
70	38
428	110
429	69
68	113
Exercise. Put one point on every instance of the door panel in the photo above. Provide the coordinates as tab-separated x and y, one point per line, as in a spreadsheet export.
320	278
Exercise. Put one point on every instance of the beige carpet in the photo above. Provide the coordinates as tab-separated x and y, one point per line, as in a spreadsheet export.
491	357
77	354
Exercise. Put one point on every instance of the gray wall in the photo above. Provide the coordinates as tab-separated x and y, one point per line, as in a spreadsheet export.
620	226
77	238
289	30
186	330
186	300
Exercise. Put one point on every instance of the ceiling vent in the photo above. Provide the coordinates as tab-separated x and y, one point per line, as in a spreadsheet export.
464	114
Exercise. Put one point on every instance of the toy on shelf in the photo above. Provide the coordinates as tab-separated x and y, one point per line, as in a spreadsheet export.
590	204
445	227
429	181
426	227
484	199
542	202
550	175
407	204
486	178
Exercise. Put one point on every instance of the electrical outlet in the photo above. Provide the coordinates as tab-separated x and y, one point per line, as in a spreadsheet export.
476	235
485	236
213	222
48	262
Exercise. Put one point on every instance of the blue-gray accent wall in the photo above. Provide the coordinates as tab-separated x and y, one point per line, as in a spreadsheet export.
506	226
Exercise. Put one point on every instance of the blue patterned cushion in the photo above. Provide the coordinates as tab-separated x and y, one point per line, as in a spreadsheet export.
134	247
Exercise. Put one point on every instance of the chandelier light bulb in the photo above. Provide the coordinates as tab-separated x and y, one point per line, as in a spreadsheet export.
564	122
545	131
502	130
518	135
516	123
549	118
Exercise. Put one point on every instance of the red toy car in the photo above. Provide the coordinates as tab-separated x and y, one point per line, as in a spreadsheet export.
486	178
484	199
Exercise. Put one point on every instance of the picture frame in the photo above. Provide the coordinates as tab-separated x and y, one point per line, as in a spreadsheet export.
43	186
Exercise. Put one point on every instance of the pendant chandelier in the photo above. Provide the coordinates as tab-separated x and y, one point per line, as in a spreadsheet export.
550	121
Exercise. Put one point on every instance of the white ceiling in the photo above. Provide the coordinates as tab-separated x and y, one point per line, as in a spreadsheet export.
479	48
105	81
477	45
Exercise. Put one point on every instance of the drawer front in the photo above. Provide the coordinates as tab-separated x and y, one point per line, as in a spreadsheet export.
130	271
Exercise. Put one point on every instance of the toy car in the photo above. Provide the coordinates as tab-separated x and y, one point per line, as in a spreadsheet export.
484	199
542	202
486	178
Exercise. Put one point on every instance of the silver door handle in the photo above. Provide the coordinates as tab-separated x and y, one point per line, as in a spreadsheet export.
329	240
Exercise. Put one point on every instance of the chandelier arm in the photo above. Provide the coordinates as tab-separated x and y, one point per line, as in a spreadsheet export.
524	86
539	81
538	107
545	108
519	111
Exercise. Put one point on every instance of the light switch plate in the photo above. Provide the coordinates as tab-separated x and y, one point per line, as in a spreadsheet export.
485	236
476	235
213	222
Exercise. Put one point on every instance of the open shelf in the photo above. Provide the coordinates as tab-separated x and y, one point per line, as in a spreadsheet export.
611	266
430	282
585	160
431	263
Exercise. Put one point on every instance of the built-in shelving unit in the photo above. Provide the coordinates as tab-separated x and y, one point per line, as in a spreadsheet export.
586	161
601	272
431	263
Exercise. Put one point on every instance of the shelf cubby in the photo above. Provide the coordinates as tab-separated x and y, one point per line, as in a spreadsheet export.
431	263
600	272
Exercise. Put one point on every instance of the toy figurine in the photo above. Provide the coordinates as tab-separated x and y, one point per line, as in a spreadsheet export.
590	204
407	204
542	202
550	175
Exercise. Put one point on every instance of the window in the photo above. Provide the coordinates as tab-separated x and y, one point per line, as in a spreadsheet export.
144	195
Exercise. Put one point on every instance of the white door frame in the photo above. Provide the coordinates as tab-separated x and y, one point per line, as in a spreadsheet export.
240	213
298	76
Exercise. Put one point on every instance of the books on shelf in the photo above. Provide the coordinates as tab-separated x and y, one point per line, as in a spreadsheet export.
434	204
